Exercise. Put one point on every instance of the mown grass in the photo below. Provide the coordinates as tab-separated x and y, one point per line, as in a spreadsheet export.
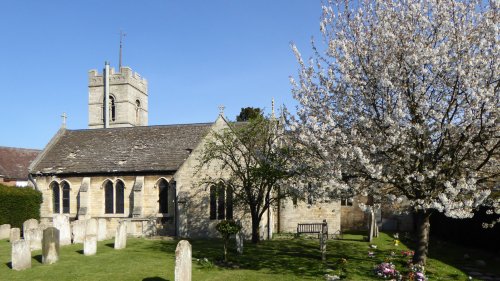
282	259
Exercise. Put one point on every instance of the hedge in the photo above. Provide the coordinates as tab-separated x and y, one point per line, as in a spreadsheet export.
18	205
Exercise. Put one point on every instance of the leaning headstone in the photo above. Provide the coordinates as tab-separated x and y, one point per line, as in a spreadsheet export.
91	227
121	236
90	245
21	255
34	238
29	224
183	261
79	227
239	242
50	245
61	222
15	234
4	231
102	230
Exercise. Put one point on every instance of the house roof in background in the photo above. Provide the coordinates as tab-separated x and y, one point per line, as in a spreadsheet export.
14	162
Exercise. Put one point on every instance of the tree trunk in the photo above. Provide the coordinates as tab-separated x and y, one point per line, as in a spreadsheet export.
225	249
255	227
423	228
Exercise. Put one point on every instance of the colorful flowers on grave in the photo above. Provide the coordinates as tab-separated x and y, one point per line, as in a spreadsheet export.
387	270
408	253
371	254
396	242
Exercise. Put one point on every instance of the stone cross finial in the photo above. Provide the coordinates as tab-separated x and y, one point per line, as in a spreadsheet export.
221	109
64	116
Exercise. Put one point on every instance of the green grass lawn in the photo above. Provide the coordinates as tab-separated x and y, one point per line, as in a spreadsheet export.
280	259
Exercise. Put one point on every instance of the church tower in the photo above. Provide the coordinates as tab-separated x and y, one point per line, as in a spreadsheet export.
127	99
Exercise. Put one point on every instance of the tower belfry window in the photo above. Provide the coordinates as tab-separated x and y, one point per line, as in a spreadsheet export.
137	111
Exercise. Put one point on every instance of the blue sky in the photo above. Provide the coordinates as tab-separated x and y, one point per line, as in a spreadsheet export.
195	55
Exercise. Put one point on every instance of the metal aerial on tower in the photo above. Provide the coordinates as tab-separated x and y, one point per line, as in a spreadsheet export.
122	34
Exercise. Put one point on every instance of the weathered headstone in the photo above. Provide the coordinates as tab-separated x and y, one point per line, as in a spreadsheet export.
34	238
61	222
102	230
29	224
4	231
90	245
15	234
240	237
183	261
50	245
371	223
91	227
121	236
78	229
21	255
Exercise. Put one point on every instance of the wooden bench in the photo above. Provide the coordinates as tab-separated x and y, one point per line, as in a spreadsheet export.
311	228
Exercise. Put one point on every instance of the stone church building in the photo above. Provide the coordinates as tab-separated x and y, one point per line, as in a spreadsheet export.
122	169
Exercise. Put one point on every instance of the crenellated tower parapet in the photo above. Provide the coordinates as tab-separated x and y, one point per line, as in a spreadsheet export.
127	101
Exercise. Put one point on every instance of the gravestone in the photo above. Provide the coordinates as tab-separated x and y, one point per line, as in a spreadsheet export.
240	237
50	245
371	223
121	236
15	234
91	227
90	245
61	222
21	255
102	230
79	227
29	224
183	261
34	238
4	231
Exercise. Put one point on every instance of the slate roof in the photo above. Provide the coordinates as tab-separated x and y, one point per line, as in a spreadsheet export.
118	150
14	162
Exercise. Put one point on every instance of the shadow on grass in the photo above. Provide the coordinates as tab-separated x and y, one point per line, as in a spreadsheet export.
300	257
79	251
38	258
154	279
111	245
9	265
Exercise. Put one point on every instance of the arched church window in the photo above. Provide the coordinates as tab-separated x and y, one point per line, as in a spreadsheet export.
163	196
221	202
112	108
108	197
65	197
56	207
137	111
120	197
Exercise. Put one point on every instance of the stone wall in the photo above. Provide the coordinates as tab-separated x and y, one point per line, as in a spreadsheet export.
292	214
88	201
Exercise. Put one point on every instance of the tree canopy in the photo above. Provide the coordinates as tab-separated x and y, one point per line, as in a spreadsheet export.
403	104
257	162
248	113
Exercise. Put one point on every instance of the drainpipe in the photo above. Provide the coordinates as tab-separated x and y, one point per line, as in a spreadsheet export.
32	180
106	95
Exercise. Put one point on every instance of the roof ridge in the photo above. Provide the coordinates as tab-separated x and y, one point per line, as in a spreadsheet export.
20	148
150	126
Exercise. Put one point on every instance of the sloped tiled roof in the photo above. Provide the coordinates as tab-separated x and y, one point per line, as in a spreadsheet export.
14	162
132	149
